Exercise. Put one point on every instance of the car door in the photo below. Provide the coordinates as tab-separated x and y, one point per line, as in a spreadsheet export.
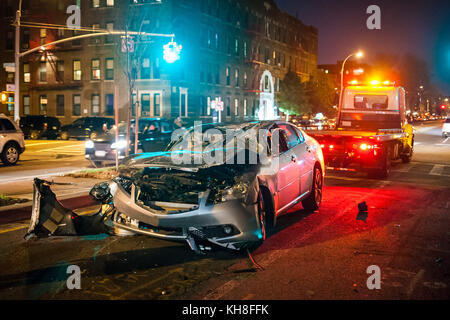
308	162
288	186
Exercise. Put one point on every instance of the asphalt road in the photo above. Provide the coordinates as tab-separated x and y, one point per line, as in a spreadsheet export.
323	255
46	158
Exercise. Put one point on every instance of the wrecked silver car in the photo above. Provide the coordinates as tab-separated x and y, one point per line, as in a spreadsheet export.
217	184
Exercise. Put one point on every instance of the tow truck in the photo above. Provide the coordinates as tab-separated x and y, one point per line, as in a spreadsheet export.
371	129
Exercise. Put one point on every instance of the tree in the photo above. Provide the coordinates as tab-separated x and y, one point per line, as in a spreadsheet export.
292	98
321	94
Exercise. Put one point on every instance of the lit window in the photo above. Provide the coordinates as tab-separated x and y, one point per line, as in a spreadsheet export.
76	70
95	3
26	73
236	107
43	104
95	69
43	35
110	3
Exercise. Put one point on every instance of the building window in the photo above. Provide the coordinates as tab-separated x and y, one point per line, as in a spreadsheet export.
109	69
95	69
227	74
145	69
217	74
245	107
145	104
157	104
95	40
110	3
77	70
183	105
210	78
76	105
60	105
109	104
245	49
95	105
95	3
43	72
216	38
10	40
236	107
43	36
26	105
236	77
209	39
110	28
9	77
228	107
245	79
26	40
156	73
43	104
60	71
236	46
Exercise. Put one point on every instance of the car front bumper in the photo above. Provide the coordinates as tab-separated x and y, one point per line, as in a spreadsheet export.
202	222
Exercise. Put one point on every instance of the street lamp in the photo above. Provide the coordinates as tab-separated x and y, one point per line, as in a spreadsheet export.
358	54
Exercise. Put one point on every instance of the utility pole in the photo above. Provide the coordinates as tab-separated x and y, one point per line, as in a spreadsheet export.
17	65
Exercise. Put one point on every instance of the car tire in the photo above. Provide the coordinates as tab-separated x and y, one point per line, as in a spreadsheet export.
262	222
10	154
385	168
34	135
64	135
314	199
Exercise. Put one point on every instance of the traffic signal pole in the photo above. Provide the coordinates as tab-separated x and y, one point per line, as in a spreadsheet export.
17	65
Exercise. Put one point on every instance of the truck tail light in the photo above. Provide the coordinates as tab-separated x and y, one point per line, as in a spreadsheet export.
365	146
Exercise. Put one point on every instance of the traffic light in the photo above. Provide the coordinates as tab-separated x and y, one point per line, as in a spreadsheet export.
172	52
4	97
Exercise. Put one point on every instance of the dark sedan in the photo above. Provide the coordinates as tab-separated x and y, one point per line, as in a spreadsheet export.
87	127
37	127
154	135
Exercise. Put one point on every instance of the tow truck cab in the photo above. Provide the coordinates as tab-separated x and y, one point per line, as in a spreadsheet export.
371	130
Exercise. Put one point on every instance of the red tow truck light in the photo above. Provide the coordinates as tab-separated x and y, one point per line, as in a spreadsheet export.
365	146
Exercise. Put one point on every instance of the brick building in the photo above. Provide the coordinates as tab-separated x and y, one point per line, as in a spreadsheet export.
233	51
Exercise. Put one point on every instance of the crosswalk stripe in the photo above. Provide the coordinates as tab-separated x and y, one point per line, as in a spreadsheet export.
437	170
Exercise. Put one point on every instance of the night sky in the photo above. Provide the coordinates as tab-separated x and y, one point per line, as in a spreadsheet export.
418	27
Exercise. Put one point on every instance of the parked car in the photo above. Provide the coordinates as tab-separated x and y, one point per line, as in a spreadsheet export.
230	204
37	127
446	128
87	127
12	143
154	135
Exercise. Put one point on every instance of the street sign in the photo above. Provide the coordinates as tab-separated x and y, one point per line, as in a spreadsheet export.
10	87
127	44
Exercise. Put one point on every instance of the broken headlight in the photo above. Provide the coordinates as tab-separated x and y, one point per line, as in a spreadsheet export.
237	192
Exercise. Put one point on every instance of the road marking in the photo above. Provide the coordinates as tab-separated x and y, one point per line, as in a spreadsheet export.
437	170
445	140
13	229
404	168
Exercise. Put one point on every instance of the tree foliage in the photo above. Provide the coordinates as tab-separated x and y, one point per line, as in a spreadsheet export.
321	94
292	97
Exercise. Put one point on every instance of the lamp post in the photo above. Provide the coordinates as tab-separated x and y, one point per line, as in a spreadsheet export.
358	54
17	64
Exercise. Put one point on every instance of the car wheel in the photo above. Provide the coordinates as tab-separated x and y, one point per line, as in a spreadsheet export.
64	135
385	168
10	155
314	199
262	217
34	135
